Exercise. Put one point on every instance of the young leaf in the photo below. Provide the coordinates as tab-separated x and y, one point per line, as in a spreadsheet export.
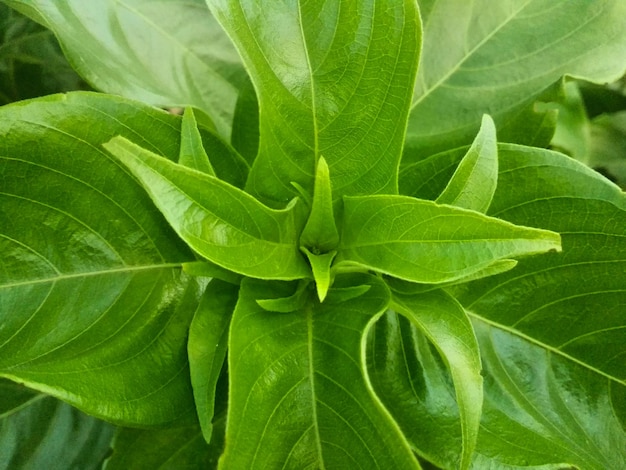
444	322
500	57
332	79
299	394
192	153
421	241
474	182
206	347
189	61
222	223
320	265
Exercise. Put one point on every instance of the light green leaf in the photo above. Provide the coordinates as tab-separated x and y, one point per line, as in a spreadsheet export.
298	394
474	182
91	291
46	433
166	53
444	322
421	241
208	340
192	153
500	56
222	223
320	265
332	79
573	129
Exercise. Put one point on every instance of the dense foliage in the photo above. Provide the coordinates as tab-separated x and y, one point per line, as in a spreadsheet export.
374	236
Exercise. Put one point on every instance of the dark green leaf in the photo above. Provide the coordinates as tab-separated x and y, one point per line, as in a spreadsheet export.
421	241
91	292
332	81
221	222
298	394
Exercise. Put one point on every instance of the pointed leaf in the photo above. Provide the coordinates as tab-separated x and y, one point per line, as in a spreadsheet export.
91	291
474	182
222	223
208	340
169	53
424	242
192	153
320	265
444	322
500	56
331	80
299	396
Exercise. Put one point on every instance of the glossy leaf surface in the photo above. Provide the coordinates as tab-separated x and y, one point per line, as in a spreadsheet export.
222	223
334	80
91	291
46	433
421	241
444	322
497	58
166	53
299	398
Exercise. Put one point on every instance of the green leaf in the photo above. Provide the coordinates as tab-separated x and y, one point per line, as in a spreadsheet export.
208	340
572	131
499	58
330	80
299	396
320	265
91	291
169	53
192	153
474	182
46	433
245	134
607	148
164	449
421	241
222	223
444	322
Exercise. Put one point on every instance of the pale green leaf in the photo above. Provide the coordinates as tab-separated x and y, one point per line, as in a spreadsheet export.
499	57
206	347
320	266
46	433
222	223
444	322
165	53
332	79
474	182
91	291
421	241
192	153
299	396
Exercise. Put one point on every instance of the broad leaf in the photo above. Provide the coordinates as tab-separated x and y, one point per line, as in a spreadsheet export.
91	290
46	433
421	241
208	341
444	322
222	223
333	79
498	57
299	396
166	53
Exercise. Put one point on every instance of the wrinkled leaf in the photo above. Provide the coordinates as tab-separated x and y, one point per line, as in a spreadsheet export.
208	341
332	79
91	291
46	433
498	57
444	322
421	241
166	53
298	394
222	223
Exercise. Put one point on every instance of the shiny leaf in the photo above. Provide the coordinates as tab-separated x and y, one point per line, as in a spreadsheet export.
421	241
298	394
222	223
332	79
498	57
91	291
166	53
